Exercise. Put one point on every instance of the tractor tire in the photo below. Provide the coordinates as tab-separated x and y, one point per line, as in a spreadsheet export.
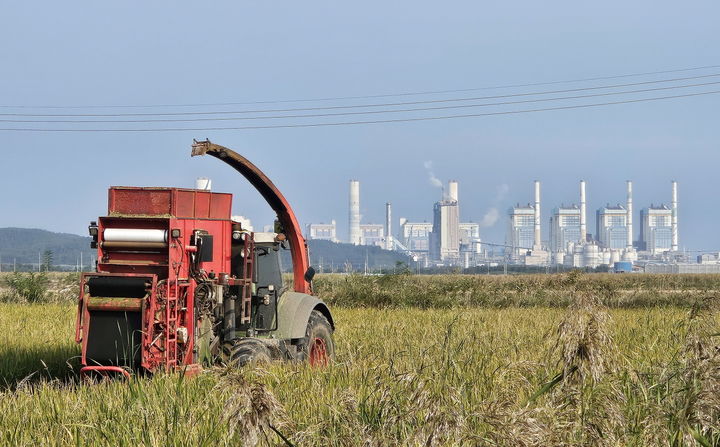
244	351
318	348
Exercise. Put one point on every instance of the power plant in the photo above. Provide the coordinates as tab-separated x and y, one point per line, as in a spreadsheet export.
570	244
446	240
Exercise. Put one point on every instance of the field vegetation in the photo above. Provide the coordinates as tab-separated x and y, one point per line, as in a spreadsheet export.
589	360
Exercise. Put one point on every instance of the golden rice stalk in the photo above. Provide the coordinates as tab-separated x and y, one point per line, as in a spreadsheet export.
701	406
584	340
251	410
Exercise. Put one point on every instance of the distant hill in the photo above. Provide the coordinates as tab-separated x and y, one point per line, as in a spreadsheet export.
23	245
335	256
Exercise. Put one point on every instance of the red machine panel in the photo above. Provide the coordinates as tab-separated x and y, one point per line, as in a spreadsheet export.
155	233
168	202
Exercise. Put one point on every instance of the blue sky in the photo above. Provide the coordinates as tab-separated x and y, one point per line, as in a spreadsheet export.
137	53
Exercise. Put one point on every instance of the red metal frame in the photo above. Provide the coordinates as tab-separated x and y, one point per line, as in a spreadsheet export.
246	285
274	198
82	323
169	305
103	370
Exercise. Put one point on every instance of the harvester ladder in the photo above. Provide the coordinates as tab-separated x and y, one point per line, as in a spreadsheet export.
247	271
171	319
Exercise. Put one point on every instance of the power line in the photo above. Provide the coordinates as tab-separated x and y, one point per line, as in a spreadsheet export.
388	95
351	123
370	112
355	106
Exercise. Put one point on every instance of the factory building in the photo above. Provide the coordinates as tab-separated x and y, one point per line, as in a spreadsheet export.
415	235
372	234
568	233
659	226
564	228
445	235
612	227
469	233
471	249
521	230
682	268
323	231
656	229
523	239
709	258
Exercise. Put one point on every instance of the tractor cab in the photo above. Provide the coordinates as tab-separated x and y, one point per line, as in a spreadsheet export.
267	277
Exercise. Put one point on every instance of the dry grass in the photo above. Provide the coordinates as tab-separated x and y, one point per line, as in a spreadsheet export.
554	290
583	375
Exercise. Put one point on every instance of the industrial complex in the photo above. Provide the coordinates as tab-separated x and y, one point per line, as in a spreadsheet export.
447	241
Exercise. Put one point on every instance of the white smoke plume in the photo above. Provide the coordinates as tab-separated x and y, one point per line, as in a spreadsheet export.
502	191
490	218
433	180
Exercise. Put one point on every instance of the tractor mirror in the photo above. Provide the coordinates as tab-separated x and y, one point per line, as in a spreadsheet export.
309	274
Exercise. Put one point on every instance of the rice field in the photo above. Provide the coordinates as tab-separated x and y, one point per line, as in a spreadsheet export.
513	375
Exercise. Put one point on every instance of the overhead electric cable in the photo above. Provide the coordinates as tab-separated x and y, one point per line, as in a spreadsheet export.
351	123
370	112
355	106
387	95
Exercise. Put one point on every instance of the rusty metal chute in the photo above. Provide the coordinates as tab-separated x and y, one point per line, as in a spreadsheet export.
274	198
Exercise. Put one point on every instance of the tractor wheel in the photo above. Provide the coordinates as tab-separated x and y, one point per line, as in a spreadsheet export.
318	348
248	350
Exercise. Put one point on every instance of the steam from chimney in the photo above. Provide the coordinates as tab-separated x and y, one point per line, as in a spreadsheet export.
490	218
433	180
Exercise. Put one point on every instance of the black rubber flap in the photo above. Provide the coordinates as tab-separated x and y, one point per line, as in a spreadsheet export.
114	338
117	286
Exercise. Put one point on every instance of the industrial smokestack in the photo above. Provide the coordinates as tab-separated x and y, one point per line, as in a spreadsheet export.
203	183
354	217
388	227
538	241
629	216
583	213
674	221
453	190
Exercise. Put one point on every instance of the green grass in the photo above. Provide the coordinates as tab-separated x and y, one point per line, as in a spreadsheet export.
402	377
555	290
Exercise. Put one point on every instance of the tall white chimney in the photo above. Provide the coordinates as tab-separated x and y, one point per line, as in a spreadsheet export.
354	217
453	190
388	227
538	240
629	216
583	213
674	221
